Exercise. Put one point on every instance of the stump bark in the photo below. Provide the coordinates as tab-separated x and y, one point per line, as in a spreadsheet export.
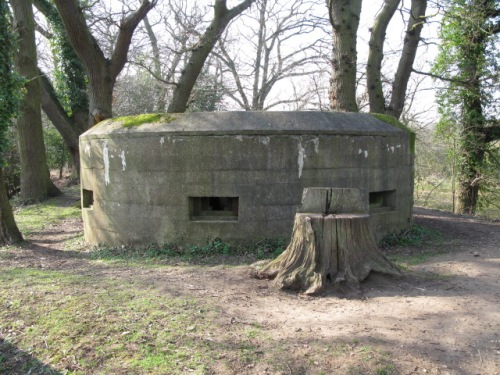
328	247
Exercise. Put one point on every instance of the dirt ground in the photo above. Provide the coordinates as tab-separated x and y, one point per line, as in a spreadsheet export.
441	317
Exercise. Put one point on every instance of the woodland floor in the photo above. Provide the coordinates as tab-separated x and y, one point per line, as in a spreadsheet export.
441	317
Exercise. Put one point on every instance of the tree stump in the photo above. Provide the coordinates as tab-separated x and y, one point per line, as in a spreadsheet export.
328	246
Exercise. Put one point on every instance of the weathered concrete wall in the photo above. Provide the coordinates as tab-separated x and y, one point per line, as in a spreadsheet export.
141	179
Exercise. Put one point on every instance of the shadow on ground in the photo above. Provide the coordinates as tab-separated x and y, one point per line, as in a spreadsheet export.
14	361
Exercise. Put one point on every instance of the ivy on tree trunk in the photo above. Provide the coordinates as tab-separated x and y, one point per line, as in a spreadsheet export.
9	233
9	105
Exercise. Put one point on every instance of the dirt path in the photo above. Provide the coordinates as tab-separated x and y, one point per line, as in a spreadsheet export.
442	317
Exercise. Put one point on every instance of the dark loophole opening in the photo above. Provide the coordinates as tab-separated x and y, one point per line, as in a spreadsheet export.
87	198
382	201
213	208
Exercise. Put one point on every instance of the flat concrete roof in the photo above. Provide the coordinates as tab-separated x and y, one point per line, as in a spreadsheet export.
251	123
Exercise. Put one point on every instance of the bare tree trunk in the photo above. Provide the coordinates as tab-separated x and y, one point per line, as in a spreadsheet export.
257	101
405	66
344	18
35	179
375	56
191	71
9	233
101	85
328	244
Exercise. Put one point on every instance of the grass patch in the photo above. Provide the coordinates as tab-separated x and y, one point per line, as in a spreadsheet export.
89	324
35	217
388	369
362	358
95	322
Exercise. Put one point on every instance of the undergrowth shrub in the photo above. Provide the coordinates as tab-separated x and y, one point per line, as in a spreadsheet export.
260	250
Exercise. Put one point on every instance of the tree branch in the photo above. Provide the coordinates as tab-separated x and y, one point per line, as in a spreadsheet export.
376	54
127	28
191	71
153	73
495	28
56	113
45	33
229	62
405	65
452	80
491	133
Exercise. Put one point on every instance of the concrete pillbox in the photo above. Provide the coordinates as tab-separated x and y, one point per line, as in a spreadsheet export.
238	176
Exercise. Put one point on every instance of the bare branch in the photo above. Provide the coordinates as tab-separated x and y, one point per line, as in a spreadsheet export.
452	80
45	33
191	71
127	28
153	73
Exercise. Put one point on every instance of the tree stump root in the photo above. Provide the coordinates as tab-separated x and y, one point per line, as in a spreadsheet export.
327	249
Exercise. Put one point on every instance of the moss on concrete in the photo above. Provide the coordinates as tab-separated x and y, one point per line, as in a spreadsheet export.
146	118
395	122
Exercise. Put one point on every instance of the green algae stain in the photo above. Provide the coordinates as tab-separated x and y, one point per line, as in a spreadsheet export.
146	118
395	122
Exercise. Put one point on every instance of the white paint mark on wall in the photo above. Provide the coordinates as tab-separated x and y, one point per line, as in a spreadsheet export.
364	152
264	140
87	149
105	157
239	138
162	140
316	145
124	162
302	157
